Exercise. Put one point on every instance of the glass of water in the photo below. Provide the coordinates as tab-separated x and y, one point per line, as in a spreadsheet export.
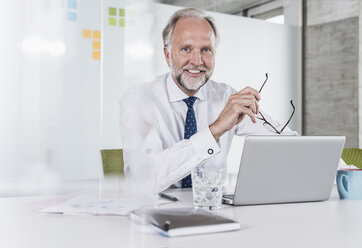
207	183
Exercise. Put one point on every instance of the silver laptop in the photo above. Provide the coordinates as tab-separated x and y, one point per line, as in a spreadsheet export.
285	169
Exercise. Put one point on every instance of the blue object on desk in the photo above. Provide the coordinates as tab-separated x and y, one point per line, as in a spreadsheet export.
349	184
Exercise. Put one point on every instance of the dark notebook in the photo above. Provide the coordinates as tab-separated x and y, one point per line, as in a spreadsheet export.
185	221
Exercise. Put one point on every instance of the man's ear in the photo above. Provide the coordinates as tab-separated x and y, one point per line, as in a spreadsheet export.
167	55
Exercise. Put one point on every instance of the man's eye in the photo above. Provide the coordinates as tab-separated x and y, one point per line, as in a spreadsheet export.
206	49
186	49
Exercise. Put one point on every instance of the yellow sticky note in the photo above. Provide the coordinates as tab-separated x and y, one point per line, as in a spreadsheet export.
122	23
97	45
96	34
121	12
96	55
112	21
112	11
86	33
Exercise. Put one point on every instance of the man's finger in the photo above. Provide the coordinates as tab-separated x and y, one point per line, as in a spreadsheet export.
250	103
249	90
250	114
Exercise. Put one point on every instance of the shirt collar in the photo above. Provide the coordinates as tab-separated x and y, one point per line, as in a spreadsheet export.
176	94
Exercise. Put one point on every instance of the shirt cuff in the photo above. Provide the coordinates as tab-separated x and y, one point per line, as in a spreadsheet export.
205	144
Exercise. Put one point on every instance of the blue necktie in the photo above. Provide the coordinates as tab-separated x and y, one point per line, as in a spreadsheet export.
190	129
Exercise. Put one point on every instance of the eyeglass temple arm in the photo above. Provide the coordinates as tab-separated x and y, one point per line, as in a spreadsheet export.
266	79
286	124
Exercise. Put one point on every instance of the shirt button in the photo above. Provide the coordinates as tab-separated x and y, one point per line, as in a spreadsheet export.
210	151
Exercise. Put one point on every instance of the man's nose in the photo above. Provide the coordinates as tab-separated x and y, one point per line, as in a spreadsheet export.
196	58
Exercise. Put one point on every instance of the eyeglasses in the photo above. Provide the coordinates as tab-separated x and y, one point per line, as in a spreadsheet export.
267	122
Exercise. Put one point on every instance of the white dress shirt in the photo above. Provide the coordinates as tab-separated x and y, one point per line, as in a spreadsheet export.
152	121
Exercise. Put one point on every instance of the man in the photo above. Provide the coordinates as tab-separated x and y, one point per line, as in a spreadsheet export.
184	119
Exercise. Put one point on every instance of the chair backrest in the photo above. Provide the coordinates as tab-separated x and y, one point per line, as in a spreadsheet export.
352	156
112	160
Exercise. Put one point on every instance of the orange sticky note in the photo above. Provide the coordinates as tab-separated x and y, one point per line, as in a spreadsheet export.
86	33
96	34
96	45
96	55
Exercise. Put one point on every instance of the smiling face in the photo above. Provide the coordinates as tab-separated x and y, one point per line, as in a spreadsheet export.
192	54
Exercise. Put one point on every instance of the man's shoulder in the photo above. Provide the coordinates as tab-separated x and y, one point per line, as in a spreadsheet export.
219	88
144	92
148	87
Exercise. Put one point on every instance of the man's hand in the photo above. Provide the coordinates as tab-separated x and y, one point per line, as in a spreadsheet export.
244	102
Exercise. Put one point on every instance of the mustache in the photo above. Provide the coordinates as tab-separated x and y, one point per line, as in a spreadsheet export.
193	67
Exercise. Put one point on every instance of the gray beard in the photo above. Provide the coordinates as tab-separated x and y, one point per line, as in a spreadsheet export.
194	86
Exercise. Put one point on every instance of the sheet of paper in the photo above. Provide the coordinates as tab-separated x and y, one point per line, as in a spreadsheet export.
92	205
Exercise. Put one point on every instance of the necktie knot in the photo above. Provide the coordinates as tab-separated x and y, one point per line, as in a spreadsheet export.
190	101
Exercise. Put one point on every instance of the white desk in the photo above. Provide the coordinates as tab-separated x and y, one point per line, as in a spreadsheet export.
333	223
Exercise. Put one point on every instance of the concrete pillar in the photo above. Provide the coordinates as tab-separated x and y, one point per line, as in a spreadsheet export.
331	72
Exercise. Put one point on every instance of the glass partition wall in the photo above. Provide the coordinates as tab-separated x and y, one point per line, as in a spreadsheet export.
65	65
50	92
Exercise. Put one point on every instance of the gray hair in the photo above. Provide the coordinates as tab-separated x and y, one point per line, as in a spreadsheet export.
183	13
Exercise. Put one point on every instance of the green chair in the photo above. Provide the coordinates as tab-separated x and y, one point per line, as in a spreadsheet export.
112	160
352	156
